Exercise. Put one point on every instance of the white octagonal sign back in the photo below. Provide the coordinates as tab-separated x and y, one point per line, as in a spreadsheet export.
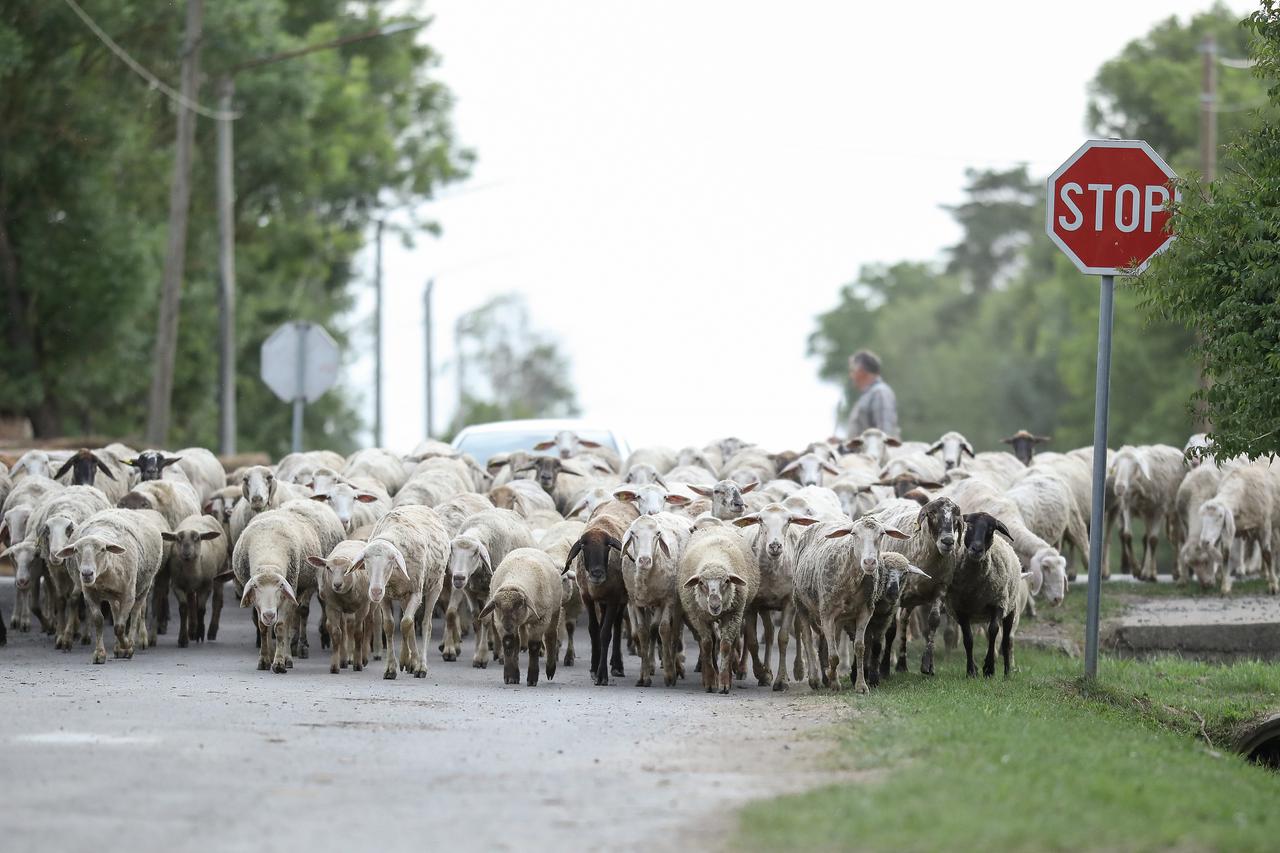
300	360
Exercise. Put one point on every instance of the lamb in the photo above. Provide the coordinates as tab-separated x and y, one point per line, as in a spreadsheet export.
52	527
1146	484
525	608
118	554
482	543
1200	485
718	580
1024	444
525	497
377	464
895	568
344	594
269	563
261	489
986	584
933	547
651	550
356	502
837	584
194	561
1245	506
773	547
952	445
604	593
557	542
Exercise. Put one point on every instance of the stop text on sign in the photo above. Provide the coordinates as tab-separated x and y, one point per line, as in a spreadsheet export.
1108	206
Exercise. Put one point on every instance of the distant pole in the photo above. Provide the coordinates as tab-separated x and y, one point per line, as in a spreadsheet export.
377	339
1101	401
226	274
166	346
1209	108
301	399
427	343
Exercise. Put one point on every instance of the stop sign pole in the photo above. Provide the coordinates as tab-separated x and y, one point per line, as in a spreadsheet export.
1108	210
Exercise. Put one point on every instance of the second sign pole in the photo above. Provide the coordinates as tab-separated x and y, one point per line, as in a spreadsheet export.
1097	542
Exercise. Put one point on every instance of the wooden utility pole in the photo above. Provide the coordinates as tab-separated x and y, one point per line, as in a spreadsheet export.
1208	166
175	253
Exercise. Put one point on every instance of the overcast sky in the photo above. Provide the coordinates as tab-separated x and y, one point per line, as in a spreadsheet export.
679	188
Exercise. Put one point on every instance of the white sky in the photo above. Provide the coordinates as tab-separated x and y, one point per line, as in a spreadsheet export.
688	184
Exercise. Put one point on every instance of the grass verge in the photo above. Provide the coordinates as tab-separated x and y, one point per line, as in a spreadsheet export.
1043	761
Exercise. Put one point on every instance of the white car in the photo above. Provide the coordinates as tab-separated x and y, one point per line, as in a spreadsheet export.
484	440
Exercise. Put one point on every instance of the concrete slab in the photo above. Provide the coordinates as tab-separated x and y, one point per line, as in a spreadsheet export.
1214	629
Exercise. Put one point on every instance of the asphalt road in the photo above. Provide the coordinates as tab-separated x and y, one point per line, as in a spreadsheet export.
194	749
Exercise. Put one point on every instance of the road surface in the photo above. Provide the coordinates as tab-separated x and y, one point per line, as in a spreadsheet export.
194	749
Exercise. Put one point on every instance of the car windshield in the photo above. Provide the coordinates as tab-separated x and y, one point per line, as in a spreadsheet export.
483	445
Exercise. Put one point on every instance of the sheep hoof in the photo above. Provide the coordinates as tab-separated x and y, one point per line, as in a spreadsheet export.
288	663
182	642
262	664
510	679
355	667
99	657
480	664
449	656
568	658
279	668
390	674
602	680
814	682
304	652
617	672
779	686
724	690
333	670
901	665
419	673
644	682
861	689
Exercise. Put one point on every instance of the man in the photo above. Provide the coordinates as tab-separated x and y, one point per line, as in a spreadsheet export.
876	406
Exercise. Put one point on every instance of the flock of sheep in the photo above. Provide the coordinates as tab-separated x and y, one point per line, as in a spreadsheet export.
837	545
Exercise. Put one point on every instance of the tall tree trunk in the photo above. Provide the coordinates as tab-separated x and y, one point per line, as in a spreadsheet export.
20	349
179	205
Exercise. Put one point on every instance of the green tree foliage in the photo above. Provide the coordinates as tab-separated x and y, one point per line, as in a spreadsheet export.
1222	275
507	369
1151	90
324	143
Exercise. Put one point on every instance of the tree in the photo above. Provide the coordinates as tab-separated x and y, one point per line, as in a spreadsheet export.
506	369
325	143
1221	276
999	218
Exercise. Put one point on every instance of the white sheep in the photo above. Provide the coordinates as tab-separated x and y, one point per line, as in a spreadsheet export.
651	550
524	606
473	554
344	593
953	446
52	527
461	507
377	464
296	468
921	466
1193	556
557	542
808	469
661	459
718	578
118	553
997	468
874	444
1146	480
1245	506
524	497
356	502
261	489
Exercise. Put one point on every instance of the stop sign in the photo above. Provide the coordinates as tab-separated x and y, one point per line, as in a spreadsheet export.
1108	206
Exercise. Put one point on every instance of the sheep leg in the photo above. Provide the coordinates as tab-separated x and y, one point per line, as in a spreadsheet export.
282	661
70	620
184	615
201	599
264	643
304	616
966	632
359	639
569	627
667	636
410	659
337	632
1126	542
593	631
551	648
215	614
752	644
389	638
608	617
706	648
322	622
429	600
628	632
645	618
1268	560
535	651
728	649
993	631
95	622
831	637
619	626
510	659
785	626
131	615
451	646
483	631
858	665
160	593
931	628
904	617
19	601
890	634
1006	643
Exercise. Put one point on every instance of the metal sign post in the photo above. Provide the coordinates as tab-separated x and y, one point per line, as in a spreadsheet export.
300	399
1108	211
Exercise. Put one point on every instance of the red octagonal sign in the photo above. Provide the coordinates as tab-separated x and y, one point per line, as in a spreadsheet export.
1108	206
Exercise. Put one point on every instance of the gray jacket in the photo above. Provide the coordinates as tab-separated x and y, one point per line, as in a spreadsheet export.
876	407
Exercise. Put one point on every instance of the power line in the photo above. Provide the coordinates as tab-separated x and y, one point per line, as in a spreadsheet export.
156	83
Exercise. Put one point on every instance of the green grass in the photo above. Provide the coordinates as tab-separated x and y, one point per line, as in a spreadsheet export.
1141	760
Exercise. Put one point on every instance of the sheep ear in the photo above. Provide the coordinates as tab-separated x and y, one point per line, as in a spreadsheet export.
287	589
577	508
627	539
929	485
839	531
354	567
573	552
588	443
746	520
895	533
487	610
916	570
404	570
677	500
1000	528
172	459
967	448
936	447
625	494
1008	440
612	542
737	580
700	490
366	497
892	442
106	472
113	548
657	478
545	445
1144	465
318	562
692	582
246	597
750	488
1041	439
1026	575
830	469
802	520
168	537
66	466
210	534
791	466
132	463
320	498
852	445
662	543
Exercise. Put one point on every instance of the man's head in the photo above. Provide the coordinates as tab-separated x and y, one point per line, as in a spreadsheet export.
864	368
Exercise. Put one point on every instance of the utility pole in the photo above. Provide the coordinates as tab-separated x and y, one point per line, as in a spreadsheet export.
426	337
226	274
1209	108
377	341
175	253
